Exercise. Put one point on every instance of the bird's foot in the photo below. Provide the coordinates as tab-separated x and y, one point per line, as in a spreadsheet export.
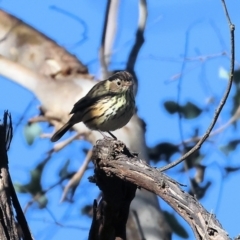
105	136
112	135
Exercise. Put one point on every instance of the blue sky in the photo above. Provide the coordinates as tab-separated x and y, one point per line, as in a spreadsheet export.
170	24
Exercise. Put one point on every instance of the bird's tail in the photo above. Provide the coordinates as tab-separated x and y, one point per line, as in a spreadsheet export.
57	135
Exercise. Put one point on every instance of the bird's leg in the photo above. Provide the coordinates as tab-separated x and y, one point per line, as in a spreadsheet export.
111	135
107	136
102	134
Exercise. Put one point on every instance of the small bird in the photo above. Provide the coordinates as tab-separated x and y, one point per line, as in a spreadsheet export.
108	106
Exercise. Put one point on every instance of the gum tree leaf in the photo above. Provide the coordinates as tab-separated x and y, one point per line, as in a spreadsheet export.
162	151
223	73
190	110
31	132
87	210
236	101
236	76
231	169
197	190
231	146
34	186
42	201
172	107
19	188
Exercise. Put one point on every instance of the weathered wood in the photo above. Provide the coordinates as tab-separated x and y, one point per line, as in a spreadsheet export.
111	214
11	227
113	160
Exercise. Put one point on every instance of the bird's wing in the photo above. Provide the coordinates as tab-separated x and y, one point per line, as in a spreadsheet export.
97	93
97	90
84	103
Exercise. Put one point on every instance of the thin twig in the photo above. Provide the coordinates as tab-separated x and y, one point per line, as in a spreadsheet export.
84	33
24	113
74	181
43	220
222	102
39	195
59	146
180	118
233	119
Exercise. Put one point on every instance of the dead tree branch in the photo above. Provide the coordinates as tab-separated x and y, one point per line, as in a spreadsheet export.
113	161
111	213
139	39
108	36
9	227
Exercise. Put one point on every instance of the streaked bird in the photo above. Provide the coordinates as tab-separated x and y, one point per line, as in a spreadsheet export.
108	106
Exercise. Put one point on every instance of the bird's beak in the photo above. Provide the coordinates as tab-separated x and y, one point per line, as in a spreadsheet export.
128	84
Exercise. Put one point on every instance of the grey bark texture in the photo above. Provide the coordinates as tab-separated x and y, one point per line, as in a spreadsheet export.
12	227
113	159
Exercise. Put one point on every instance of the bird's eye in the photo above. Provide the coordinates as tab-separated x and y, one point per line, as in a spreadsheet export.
118	83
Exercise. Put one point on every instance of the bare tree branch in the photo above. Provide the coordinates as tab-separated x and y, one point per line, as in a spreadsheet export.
232	120
20	74
108	35
76	178
222	102
111	214
139	39
35	51
112	159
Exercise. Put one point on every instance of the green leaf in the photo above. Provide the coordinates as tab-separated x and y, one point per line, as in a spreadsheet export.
175	225
172	107
194	159
236	101
197	190
231	146
87	210
19	188
42	201
232	169
223	73
34	186
236	76
31	131
190	110
162	151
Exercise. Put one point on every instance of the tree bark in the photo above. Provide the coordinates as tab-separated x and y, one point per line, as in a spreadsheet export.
10	229
113	159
